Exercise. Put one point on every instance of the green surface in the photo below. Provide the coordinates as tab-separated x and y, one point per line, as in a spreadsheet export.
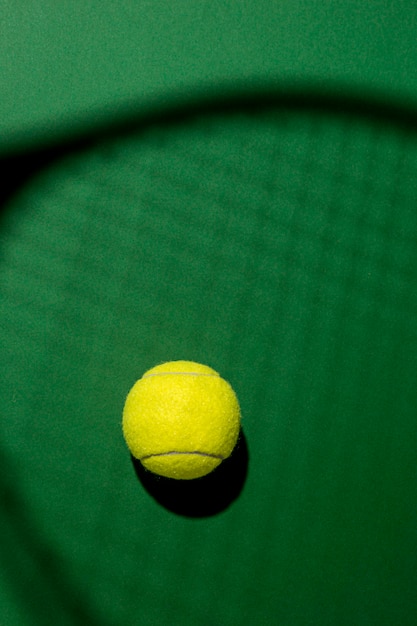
277	245
272	236
68	66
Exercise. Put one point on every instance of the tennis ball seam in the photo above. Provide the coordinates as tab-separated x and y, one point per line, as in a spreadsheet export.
179	374
186	452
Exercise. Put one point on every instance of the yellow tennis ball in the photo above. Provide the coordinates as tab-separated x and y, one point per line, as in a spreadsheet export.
181	420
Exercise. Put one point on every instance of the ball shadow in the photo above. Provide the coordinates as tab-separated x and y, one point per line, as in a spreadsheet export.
201	497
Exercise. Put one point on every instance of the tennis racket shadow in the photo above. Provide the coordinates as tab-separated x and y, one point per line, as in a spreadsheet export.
201	497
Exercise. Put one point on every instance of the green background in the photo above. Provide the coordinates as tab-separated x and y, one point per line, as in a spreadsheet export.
233	184
67	66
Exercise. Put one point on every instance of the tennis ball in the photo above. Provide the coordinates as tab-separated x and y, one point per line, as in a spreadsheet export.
181	420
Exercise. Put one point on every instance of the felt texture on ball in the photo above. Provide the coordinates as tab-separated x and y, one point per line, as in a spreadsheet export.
181	420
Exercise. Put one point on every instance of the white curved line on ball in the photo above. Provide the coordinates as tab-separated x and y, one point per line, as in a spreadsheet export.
179	374
172	452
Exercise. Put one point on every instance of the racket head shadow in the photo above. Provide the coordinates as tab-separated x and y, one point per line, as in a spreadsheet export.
275	241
